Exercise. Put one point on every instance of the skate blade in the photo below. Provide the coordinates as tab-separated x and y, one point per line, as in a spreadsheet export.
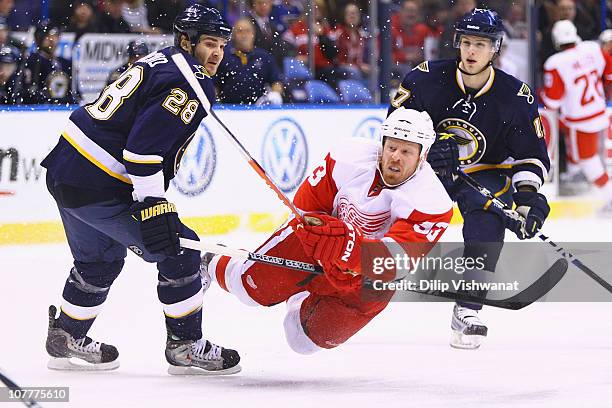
465	342
182	370
76	364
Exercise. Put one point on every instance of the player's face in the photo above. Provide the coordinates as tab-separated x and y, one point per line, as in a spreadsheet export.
399	160
209	52
49	43
476	52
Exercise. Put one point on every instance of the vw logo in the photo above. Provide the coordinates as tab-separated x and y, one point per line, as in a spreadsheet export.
197	166
284	154
369	128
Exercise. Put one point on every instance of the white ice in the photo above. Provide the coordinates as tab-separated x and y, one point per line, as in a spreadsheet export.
547	355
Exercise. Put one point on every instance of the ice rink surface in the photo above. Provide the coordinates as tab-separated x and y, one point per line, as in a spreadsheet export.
547	355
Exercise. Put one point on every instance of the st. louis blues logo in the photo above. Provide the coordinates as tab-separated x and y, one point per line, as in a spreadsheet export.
284	154
197	164
471	141
369	128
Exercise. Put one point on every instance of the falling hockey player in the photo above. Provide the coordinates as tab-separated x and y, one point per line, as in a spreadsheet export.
364	193
497	136
108	174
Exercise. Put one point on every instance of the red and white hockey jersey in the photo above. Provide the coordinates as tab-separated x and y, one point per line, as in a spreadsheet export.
348	185
573	83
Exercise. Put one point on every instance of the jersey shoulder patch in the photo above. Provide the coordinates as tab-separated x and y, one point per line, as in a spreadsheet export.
423	66
525	91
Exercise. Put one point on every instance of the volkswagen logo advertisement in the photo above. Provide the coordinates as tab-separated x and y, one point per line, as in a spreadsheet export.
197	166
369	128
284	153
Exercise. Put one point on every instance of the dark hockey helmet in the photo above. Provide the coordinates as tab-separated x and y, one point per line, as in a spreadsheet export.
137	48
481	23
44	29
197	20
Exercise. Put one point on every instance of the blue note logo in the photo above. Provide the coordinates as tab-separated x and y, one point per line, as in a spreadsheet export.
471	141
369	128
198	159
284	154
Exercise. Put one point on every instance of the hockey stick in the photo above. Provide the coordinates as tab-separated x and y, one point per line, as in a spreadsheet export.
28	402
183	66
251	256
564	253
530	294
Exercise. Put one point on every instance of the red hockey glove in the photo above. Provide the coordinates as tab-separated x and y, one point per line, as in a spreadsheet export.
332	242
342	280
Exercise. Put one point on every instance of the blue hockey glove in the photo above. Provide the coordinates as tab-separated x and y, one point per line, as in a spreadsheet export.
534	209
443	156
159	225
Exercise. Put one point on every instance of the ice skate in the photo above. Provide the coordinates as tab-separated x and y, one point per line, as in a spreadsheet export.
199	357
573	184
68	353
468	331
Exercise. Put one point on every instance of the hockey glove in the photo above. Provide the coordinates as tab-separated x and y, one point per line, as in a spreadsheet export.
332	242
342	280
534	209
159	225
443	156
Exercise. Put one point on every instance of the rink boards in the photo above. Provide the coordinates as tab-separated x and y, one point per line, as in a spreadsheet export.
215	190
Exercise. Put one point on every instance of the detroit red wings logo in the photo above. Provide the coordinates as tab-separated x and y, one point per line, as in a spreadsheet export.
372	225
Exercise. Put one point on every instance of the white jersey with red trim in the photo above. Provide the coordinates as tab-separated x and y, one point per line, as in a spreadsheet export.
573	84
348	185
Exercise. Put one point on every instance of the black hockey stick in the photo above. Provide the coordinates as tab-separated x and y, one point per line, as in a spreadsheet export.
527	296
564	253
11	385
251	256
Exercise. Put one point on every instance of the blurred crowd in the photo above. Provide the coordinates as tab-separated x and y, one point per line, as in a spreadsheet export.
267	60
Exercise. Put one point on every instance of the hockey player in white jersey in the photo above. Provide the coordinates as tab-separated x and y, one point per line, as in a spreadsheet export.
363	193
573	83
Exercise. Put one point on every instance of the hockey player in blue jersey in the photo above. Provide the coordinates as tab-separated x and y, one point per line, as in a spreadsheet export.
490	127
109	173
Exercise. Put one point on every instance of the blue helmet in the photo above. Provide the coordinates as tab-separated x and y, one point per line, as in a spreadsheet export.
137	48
197	20
481	23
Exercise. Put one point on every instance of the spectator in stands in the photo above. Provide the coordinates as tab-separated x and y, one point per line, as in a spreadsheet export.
6	7
83	20
161	13
6	41
60	12
461	7
111	19
8	68
515	23
248	75
267	36
47	78
285	13
351	42
136	14
135	50
325	47
407	38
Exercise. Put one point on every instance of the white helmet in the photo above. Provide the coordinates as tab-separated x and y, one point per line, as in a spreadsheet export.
412	126
564	32
605	36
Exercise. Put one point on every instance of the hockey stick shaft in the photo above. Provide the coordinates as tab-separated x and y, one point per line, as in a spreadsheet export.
564	253
183	66
10	384
251	256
